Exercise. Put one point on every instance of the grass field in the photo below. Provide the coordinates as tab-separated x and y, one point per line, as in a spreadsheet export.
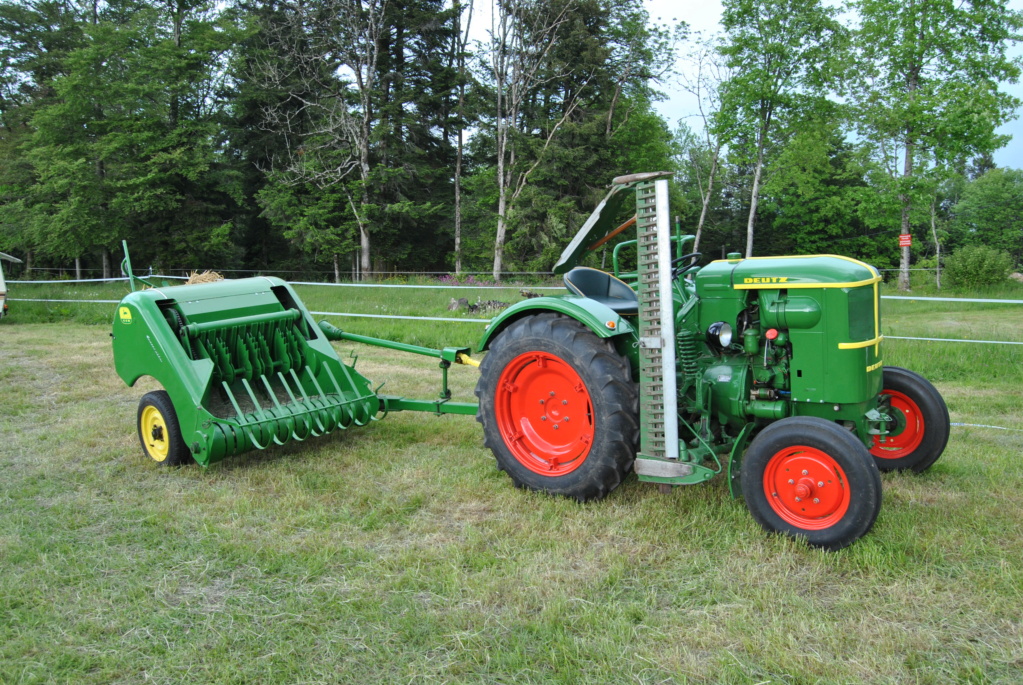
397	553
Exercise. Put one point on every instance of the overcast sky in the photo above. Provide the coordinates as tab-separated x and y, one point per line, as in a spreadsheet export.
705	16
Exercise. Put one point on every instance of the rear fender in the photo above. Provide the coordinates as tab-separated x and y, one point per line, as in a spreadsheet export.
599	318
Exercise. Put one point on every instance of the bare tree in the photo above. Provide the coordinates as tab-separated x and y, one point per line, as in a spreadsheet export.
324	59
522	36
460	43
704	83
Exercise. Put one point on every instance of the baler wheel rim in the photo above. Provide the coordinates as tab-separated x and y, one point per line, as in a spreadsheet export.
159	432
154	428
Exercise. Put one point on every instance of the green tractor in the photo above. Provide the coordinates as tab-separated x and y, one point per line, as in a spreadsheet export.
769	369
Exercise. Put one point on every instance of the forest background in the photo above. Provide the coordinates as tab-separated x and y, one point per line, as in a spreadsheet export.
342	139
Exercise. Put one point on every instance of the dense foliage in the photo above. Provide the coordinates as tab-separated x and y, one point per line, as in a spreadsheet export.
359	136
977	266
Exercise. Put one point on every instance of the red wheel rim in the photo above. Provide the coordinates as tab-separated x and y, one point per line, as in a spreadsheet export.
544	413
806	488
907	430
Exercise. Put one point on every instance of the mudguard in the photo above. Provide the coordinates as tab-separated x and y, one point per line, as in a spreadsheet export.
599	318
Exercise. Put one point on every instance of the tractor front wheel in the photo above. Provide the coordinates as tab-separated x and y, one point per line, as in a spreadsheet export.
159	432
558	407
919	428
810	478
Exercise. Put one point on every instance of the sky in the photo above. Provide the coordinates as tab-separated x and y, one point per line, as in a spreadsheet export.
705	16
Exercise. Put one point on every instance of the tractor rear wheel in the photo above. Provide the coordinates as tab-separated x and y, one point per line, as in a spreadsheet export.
920	423
810	478
159	432
558	407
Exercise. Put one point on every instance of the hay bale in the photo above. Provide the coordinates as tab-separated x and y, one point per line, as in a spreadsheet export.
204	277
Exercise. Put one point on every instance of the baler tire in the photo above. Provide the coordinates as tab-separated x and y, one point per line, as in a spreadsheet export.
810	478
924	423
159	431
557	369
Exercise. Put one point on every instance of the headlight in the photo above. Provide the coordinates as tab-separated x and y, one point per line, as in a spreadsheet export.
720	334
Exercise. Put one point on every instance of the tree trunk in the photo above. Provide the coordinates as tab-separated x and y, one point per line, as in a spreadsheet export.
78	268
907	201
937	245
502	204
706	197
337	268
106	263
754	194
28	264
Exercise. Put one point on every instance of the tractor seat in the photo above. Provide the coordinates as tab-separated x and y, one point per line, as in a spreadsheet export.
604	288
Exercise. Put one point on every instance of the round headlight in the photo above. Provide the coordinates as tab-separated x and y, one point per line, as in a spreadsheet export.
720	334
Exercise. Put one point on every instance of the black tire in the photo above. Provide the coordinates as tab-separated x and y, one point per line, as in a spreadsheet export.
159	432
541	373
810	478
921	423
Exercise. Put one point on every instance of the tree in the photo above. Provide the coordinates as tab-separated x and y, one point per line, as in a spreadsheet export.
813	194
129	144
990	212
522	36
322	62
705	85
782	55
924	88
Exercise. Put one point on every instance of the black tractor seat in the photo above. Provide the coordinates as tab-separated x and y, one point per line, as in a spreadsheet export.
602	287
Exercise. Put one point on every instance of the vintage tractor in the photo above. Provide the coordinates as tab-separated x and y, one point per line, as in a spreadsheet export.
768	369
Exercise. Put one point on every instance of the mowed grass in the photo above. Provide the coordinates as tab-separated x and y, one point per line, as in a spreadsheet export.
397	553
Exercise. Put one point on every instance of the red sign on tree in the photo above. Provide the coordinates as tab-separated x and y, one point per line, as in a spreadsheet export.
905	240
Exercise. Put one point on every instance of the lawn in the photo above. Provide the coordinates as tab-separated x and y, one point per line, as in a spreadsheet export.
398	553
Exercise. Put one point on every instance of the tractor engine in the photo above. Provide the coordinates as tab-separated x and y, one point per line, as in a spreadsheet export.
773	337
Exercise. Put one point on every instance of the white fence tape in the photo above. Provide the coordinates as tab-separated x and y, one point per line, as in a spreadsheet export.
984	425
987	342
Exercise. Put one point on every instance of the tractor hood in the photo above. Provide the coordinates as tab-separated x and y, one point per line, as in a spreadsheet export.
811	271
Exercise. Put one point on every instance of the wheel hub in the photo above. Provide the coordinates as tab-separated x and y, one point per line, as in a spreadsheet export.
905	431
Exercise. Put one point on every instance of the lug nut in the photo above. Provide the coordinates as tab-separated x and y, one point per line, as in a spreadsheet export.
820	484
805	472
816	501
799	499
555	426
791	482
564	401
543	418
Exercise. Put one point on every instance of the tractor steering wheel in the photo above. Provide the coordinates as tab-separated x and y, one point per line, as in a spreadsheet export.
677	270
